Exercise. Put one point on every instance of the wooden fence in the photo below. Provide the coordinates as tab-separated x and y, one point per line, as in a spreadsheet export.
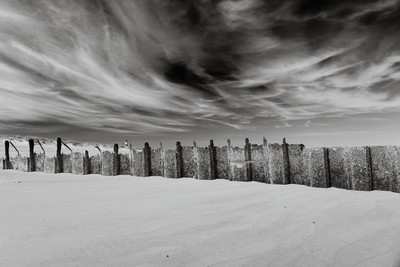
354	168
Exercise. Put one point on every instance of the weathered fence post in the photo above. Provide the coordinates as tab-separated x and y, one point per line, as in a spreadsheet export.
369	166
247	158
286	162
179	160
86	163
196	157
213	160
327	166
116	161
44	155
229	153
99	164
266	159
32	156
6	163
131	159
162	153
265	142
59	159
147	159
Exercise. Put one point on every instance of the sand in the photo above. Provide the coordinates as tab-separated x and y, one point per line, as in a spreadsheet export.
72	220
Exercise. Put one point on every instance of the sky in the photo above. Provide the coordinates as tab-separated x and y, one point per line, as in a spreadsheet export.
318	72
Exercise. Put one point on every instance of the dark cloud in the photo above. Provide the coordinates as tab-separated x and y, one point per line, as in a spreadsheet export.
160	66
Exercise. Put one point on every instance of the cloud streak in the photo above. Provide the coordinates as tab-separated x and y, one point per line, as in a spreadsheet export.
162	66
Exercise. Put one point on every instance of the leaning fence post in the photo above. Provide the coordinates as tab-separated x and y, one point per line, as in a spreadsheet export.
14	148
32	155
147	159
116	162
247	158
327	166
286	162
179	160
213	160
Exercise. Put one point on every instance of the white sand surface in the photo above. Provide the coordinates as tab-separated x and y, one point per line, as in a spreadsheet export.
71	220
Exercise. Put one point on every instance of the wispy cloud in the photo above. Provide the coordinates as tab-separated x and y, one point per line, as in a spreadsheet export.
150	66
309	123
284	125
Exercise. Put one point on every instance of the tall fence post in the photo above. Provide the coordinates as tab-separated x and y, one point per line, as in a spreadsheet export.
213	160
286	162
116	161
327	166
179	160
162	159
147	159
44	154
247	158
196	157
6	163
86	163
59	159
32	156
229	153
266	159
369	168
